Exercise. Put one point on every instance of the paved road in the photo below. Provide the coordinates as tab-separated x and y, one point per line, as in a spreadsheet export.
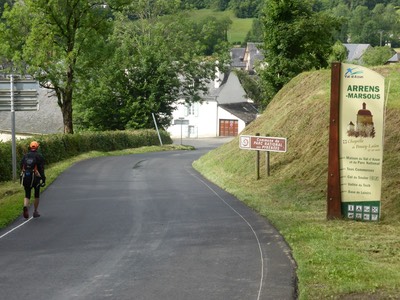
143	226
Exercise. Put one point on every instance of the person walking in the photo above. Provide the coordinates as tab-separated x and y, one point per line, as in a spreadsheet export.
32	176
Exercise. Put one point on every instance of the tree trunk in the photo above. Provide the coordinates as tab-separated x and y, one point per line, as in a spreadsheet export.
67	114
67	103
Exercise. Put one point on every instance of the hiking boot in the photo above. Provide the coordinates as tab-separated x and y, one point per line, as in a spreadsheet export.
26	212
36	214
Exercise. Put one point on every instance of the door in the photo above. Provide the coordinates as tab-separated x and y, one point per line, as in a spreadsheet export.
228	127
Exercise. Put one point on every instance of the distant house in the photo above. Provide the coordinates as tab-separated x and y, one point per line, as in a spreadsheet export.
48	119
356	51
224	111
246	58
395	59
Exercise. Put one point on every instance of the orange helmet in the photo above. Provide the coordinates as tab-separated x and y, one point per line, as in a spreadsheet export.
34	145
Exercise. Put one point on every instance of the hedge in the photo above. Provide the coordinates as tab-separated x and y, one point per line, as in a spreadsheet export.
57	147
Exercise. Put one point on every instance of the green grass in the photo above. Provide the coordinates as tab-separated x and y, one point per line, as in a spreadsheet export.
335	259
239	27
12	194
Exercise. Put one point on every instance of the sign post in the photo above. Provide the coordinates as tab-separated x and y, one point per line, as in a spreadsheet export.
181	121
262	143
355	143
334	196
17	95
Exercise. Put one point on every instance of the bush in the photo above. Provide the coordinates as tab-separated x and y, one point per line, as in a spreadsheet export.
57	147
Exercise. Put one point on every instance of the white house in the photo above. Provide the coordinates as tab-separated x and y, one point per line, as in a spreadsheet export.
224	111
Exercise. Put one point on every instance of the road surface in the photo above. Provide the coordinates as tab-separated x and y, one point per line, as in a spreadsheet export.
144	226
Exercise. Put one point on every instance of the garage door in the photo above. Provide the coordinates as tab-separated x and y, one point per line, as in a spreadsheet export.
228	127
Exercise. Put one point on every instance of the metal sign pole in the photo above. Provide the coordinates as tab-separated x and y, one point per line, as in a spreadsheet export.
181	132
14	152
257	162
158	132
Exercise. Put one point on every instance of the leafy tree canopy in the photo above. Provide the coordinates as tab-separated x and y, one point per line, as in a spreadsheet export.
47	38
296	39
377	56
157	60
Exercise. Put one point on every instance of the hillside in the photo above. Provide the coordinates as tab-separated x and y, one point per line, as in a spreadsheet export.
239	27
294	196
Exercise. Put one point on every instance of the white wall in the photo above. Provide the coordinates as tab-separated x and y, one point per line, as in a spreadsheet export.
6	136
202	119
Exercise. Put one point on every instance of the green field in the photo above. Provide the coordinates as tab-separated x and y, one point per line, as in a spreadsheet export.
239	28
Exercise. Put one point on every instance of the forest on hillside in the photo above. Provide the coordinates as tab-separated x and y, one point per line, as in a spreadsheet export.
374	22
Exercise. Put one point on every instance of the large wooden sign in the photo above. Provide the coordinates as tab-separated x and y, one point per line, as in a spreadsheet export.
356	143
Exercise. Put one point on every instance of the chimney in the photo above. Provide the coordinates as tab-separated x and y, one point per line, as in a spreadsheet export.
218	76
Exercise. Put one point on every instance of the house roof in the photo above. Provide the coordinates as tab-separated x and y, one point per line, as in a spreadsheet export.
245	58
237	58
243	110
48	119
355	51
231	91
395	58
253	54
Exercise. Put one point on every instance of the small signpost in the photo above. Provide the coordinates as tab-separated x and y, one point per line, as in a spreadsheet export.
262	143
181	121
18	94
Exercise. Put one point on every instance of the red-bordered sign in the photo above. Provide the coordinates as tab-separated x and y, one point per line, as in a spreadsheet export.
263	143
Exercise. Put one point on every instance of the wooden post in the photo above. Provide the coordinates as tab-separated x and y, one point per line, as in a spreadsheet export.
267	163
257	162
334	190
267	159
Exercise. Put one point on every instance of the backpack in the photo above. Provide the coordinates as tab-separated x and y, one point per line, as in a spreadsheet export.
29	169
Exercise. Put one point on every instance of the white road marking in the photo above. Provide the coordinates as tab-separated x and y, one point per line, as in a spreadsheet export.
8	232
247	222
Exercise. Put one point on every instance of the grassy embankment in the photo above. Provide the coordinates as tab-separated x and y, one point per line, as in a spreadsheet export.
336	259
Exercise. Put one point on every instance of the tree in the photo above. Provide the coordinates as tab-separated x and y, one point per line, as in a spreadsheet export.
3	3
256	33
55	35
156	61
253	87
211	33
360	16
388	22
339	53
342	12
219	5
377	27
296	40
377	56
246	8
199	4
